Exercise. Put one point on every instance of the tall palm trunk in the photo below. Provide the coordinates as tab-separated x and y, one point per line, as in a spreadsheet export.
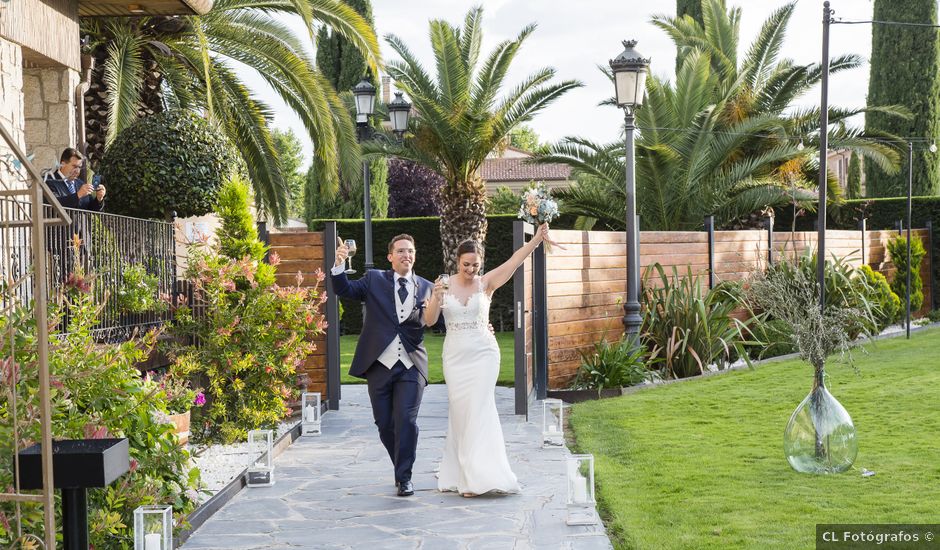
96	111
463	216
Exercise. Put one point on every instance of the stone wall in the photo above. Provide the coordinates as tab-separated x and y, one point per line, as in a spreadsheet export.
49	108
11	99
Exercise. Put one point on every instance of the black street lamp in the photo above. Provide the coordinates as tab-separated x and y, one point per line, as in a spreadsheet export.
630	70
399	110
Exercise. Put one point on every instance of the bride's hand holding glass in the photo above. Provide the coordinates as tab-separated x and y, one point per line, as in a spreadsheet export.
441	285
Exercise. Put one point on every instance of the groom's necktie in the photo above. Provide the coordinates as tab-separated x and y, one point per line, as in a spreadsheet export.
402	290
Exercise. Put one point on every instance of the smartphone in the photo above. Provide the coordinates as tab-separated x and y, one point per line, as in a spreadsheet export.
96	181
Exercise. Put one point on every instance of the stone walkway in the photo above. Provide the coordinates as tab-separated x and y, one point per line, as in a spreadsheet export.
337	491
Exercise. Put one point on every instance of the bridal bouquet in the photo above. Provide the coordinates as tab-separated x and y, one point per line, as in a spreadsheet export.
538	207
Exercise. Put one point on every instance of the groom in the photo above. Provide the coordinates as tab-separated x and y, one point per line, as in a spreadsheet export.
390	354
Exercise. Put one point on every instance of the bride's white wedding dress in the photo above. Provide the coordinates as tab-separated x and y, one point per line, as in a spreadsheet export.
474	453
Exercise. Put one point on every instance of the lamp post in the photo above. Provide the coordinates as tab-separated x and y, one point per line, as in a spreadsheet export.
399	109
630	69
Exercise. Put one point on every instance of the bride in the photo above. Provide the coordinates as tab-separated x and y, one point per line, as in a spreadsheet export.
475	459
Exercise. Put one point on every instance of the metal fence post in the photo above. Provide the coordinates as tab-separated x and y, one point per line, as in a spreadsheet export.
710	229
332	320
862	223
521	382
769	222
540	321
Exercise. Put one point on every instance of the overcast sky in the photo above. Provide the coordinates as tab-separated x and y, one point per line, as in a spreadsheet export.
575	37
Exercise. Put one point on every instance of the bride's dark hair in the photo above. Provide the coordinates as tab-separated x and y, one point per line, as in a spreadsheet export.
470	246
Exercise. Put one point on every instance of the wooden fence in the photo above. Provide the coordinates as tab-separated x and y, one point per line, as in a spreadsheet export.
586	282
302	252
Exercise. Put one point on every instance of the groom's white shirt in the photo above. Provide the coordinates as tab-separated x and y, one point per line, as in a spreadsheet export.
395	351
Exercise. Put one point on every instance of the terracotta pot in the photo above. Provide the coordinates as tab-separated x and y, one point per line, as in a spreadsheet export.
181	426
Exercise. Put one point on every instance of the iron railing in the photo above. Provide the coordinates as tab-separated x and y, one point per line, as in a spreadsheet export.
108	252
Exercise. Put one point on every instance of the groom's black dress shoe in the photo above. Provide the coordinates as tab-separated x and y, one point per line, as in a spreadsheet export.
406	489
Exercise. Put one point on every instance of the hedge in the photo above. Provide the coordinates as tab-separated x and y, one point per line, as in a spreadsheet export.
880	214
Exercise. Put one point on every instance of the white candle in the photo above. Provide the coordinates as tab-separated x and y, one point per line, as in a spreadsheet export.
580	490
311	414
152	541
553	428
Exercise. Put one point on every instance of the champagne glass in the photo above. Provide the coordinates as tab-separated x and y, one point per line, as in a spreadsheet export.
444	280
351	245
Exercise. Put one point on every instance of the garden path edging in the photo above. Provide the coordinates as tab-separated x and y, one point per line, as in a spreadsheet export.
199	516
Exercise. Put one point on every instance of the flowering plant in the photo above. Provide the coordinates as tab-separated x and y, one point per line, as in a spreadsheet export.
538	207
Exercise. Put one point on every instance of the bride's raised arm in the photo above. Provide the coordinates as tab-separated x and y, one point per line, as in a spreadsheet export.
499	276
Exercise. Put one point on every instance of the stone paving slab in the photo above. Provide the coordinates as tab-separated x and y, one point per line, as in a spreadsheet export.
336	491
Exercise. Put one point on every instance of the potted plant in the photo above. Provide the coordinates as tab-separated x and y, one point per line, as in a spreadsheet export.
180	399
606	368
820	436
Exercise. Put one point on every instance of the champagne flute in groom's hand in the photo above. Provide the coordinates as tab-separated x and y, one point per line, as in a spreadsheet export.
351	245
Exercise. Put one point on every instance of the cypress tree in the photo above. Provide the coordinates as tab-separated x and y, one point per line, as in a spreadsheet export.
904	65
692	8
853	187
337	59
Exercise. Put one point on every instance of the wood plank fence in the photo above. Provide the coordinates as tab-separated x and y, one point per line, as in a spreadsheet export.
301	253
586	282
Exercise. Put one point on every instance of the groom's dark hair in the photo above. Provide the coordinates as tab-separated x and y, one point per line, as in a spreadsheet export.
396	238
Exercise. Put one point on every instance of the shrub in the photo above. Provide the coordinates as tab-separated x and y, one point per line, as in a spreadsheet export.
96	392
249	335
138	291
413	190
689	329
888	304
251	339
616	365
791	295
172	161
504	202
897	248
845	288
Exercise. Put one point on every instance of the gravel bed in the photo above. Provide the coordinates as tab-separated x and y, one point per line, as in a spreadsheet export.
219	464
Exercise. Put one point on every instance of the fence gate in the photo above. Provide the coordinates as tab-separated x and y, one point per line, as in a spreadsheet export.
23	287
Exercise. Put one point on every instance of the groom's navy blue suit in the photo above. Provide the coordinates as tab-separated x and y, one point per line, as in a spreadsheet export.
395	391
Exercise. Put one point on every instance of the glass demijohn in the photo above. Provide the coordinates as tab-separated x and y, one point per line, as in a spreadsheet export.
310	413
553	423
261	471
820	437
153	528
581	505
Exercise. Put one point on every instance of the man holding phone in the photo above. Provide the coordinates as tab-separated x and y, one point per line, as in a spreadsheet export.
71	191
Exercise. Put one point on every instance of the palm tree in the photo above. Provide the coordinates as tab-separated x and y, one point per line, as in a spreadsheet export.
722	140
149	64
460	119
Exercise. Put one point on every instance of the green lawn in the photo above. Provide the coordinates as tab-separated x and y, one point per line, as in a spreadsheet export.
433	343
700	464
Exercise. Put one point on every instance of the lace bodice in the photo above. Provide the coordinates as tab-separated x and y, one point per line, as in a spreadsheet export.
475	315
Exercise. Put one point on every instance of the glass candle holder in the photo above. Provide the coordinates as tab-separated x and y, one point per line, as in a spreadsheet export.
261	470
581	504
310	413
553	423
153	528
